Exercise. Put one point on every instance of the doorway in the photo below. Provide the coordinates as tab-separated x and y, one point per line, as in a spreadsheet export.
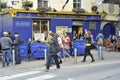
76	30
109	29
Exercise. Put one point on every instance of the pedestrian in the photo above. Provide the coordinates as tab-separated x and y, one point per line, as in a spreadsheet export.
12	38
100	40
81	35
88	47
53	47
6	44
59	39
29	47
75	35
17	42
66	44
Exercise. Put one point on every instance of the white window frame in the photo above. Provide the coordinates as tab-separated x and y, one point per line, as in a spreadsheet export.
77	3
42	5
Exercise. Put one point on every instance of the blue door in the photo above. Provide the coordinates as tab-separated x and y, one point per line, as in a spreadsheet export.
108	29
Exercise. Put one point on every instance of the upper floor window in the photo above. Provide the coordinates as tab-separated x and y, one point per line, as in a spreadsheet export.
43	3
77	3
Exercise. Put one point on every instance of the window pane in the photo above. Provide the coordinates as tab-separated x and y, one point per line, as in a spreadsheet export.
79	0
36	26
45	4
75	1
92	25
77	4
39	3
74	5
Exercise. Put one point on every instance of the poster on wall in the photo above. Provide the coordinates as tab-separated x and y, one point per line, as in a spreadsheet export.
39	36
61	29
70	30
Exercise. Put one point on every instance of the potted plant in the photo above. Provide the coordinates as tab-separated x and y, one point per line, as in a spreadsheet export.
27	4
43	10
3	5
94	8
78	10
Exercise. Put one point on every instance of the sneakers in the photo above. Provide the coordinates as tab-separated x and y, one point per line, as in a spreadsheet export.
102	58
46	70
93	61
83	61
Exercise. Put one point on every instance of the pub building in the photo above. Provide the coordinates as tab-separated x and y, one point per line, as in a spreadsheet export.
32	24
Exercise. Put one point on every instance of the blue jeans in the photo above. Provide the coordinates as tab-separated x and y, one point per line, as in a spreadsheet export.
11	59
100	52
6	57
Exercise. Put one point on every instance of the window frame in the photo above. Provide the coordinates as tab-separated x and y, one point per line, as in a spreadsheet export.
77	3
93	25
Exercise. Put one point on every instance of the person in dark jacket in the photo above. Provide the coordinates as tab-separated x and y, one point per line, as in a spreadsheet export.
88	47
12	38
17	42
6	44
53	45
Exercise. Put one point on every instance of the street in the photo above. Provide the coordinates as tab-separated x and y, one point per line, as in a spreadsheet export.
93	71
107	69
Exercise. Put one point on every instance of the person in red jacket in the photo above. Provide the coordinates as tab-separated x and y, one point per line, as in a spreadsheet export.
66	43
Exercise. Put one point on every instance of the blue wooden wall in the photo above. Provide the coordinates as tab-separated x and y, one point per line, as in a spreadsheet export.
23	26
86	25
60	22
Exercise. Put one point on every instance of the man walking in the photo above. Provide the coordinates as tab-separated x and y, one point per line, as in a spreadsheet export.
53	47
100	39
6	44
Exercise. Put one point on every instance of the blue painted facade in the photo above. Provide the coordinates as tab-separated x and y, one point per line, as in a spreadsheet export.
23	23
86	25
23	26
60	22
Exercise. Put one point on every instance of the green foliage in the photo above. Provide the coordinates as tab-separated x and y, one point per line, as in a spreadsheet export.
78	10
3	5
94	8
27	4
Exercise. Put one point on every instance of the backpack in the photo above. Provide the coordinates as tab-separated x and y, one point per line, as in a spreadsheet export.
100	42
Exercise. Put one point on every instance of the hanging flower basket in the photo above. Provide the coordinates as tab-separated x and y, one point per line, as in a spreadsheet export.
42	10
78	10
94	8
27	4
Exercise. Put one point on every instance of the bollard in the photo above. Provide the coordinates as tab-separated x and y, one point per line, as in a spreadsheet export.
45	51
100	52
13	55
75	56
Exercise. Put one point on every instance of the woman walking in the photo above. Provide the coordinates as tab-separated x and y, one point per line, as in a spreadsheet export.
88	47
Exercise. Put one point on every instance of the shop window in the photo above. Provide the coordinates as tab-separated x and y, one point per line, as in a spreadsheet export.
92	25
40	29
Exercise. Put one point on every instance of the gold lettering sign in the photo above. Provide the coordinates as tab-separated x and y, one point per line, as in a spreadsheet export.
63	16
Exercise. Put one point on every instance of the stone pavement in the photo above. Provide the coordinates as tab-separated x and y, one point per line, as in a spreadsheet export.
40	63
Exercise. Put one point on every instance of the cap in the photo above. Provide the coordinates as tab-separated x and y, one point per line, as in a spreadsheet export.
4	33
